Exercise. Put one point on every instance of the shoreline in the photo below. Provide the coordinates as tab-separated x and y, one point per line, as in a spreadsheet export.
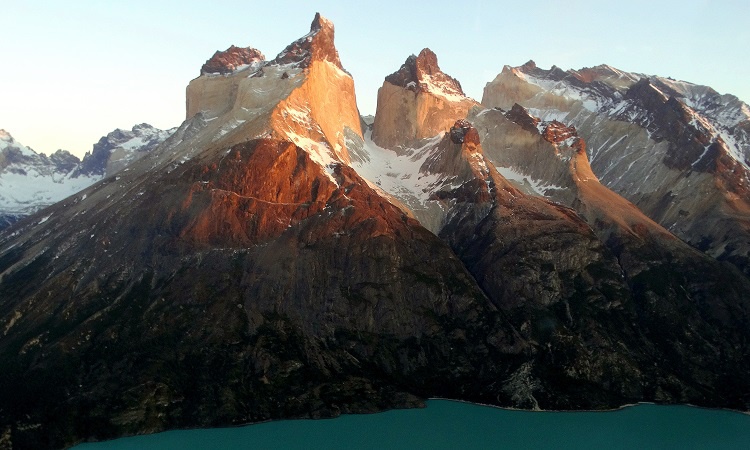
619	408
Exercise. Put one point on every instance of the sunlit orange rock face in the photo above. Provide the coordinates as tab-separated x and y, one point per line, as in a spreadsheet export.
316	45
416	102
242	205
265	187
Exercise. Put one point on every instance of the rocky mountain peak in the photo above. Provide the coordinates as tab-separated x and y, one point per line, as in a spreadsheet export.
556	132
119	148
231	59
319	22
9	146
316	45
521	116
463	132
528	66
418	101
422	73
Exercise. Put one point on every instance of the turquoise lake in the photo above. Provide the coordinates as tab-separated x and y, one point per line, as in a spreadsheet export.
455	425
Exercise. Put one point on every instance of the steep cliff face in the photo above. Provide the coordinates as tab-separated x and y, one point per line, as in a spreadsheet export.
676	150
226	279
418	101
303	95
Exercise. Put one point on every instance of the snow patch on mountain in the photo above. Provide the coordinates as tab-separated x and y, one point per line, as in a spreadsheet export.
23	194
400	174
527	184
441	88
713	114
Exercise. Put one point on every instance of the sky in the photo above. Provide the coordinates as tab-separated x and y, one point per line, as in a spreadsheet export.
73	71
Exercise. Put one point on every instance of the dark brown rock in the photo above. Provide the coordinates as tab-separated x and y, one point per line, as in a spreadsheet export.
230	59
519	115
412	73
460	132
557	132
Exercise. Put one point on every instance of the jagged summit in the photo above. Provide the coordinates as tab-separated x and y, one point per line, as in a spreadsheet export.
422	74
316	45
418	101
9	144
303	96
119	148
679	151
521	116
529	65
232	59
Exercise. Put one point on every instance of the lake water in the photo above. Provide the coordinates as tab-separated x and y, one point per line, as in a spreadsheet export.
455	425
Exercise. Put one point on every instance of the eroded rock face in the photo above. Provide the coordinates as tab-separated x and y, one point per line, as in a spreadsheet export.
303	95
231	59
463	131
676	150
521	116
416	102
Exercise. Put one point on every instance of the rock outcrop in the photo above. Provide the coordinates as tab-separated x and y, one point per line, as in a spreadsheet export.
418	101
303	95
231	59
678	151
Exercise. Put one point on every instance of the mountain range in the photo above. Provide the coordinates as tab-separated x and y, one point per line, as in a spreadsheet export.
30	181
576	240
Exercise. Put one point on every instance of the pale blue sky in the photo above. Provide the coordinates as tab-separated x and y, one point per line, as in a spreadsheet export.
72	71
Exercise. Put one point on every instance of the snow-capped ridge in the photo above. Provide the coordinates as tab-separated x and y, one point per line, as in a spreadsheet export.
30	181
